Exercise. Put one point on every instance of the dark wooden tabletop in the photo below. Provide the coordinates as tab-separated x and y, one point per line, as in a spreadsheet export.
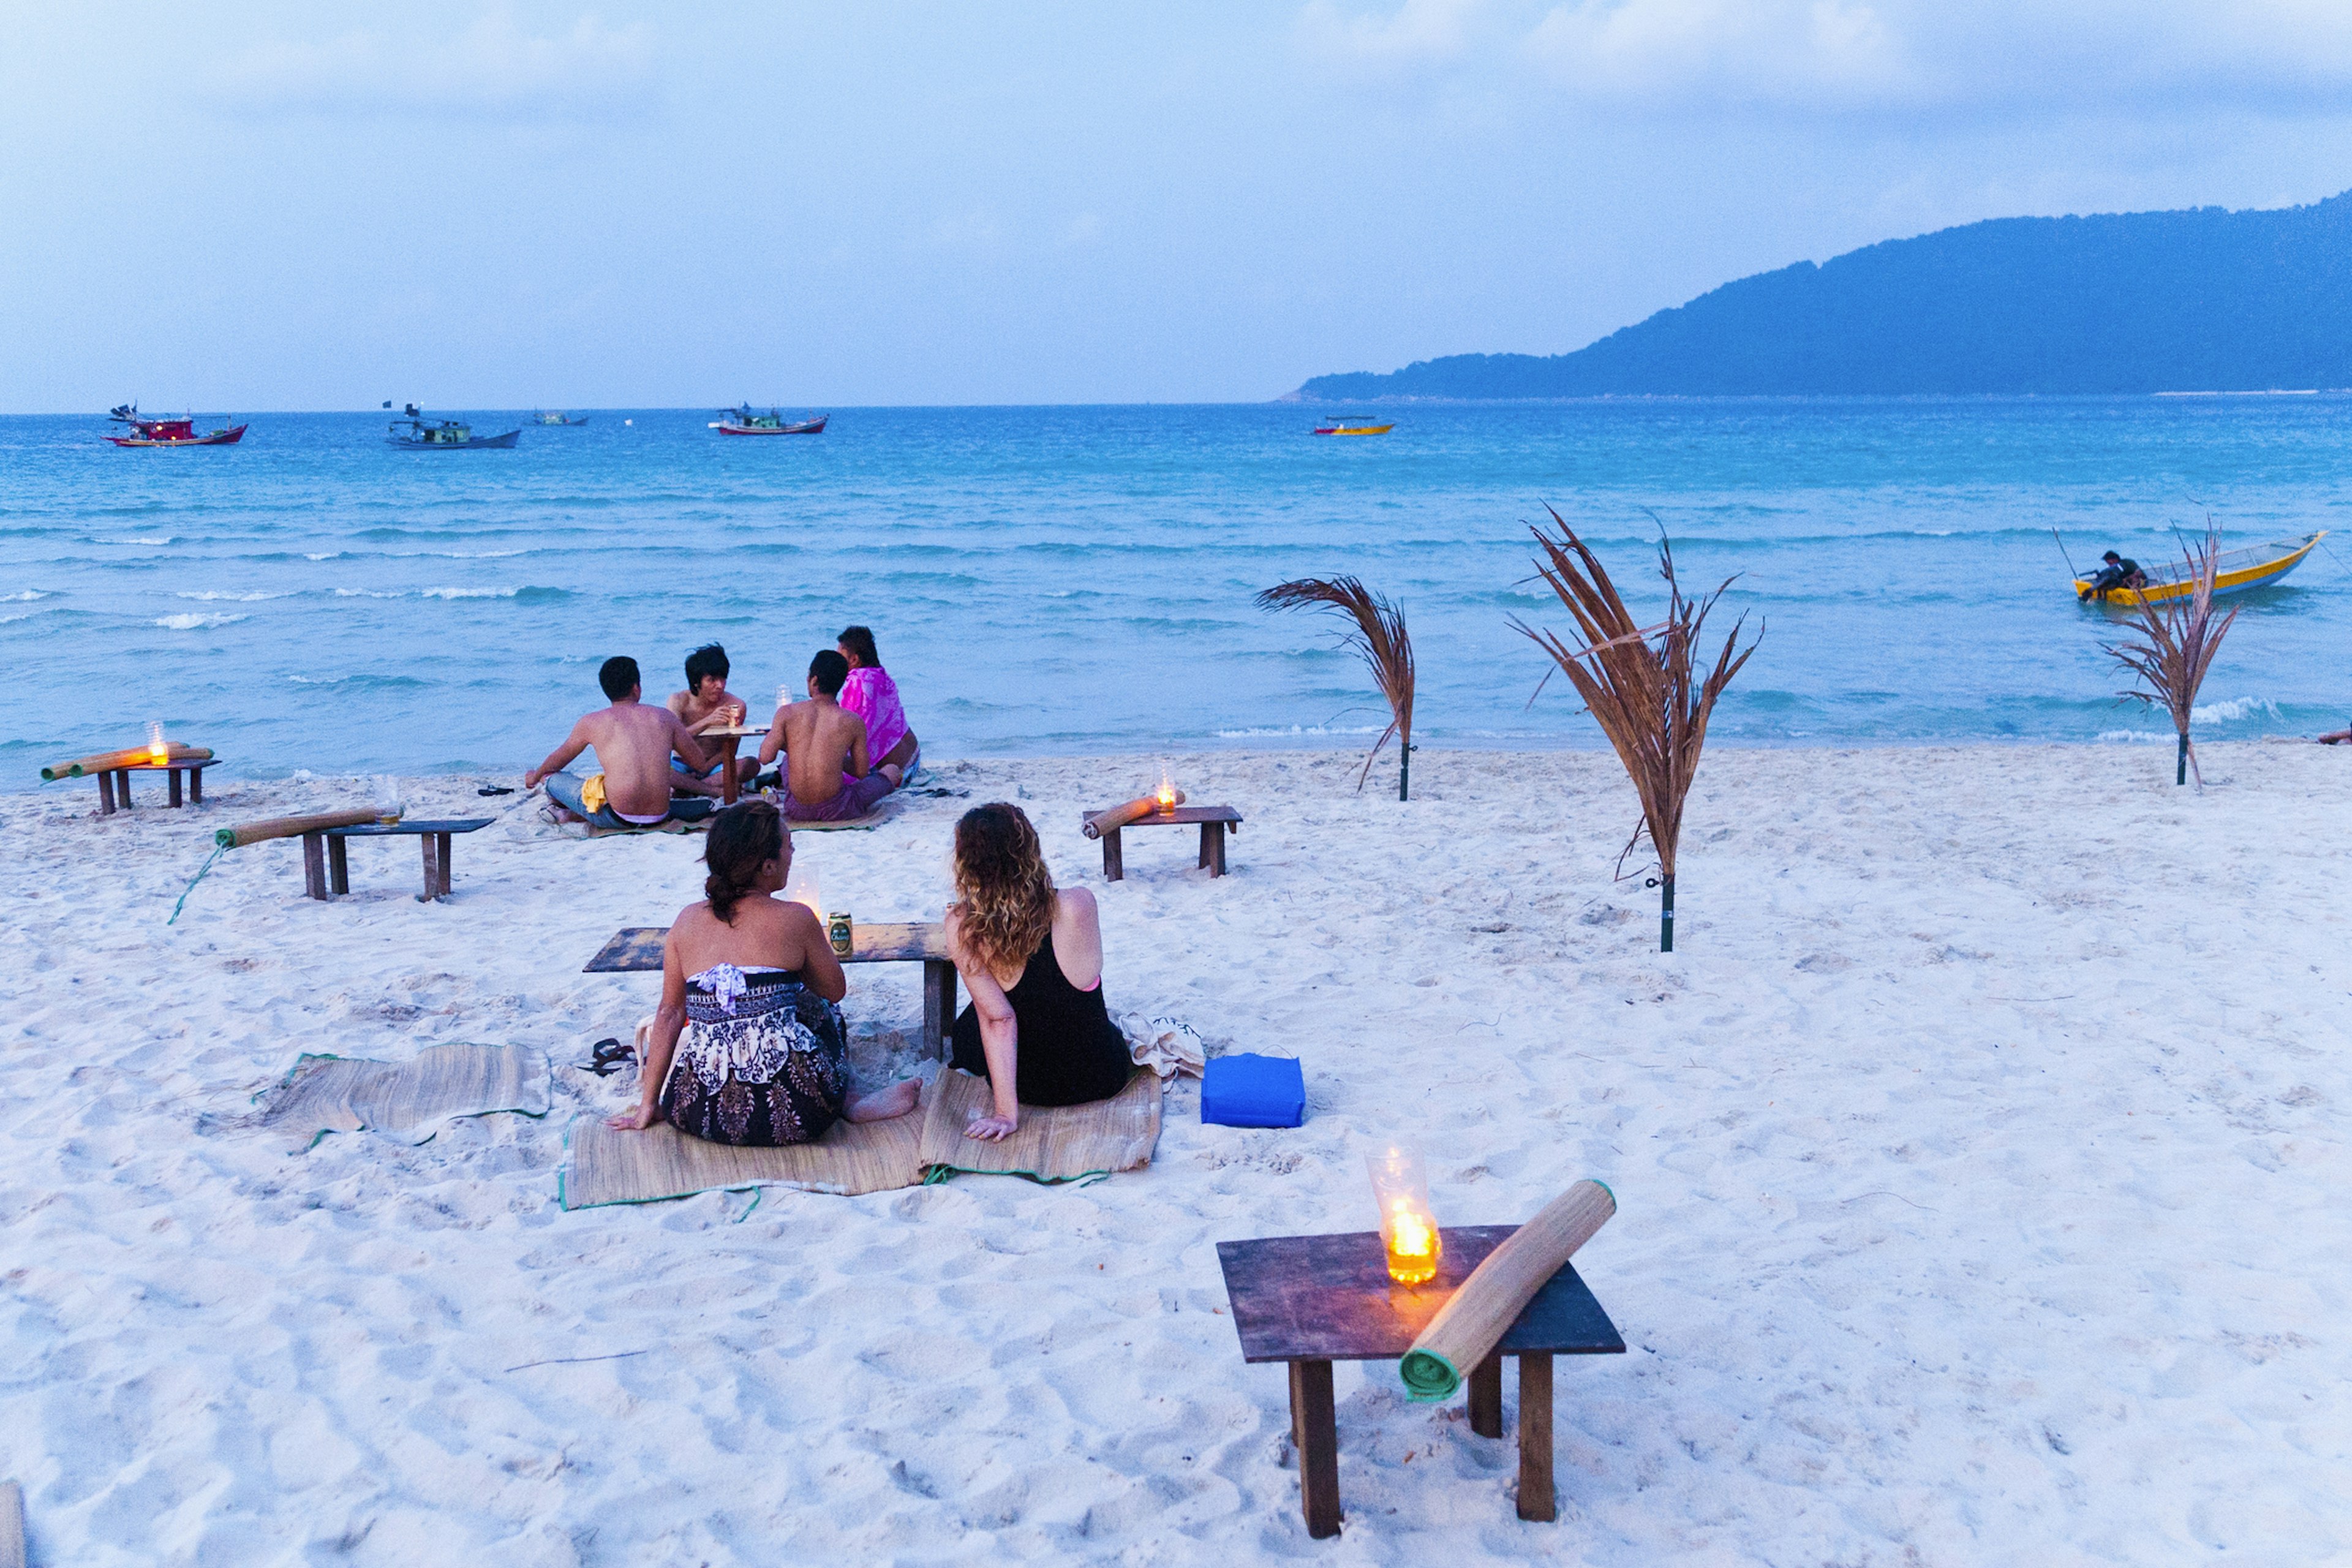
1178	817
411	825
635	948
1329	1297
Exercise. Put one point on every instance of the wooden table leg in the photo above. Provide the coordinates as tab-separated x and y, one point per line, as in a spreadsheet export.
728	788
1312	1419
339	866
174	774
122	787
1212	847
106	794
1114	860
1486	1396
432	868
196	786
938	1006
314	865
1537	1501
445	863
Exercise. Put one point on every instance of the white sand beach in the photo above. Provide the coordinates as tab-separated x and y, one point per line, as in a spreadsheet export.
1980	1158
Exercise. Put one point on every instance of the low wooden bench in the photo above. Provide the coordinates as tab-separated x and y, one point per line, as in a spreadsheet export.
114	783
326	866
1310	1301
635	948
1213	821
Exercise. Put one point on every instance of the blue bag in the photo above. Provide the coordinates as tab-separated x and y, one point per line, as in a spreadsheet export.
1254	1091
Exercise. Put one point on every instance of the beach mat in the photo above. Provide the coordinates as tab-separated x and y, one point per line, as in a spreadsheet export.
866	824
408	1100
1056	1143
605	1166
589	830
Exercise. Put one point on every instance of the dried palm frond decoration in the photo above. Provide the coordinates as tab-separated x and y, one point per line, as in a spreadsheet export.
1641	684
1378	639
2180	637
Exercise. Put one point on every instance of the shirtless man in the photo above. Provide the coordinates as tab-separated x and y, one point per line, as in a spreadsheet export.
827	777
632	744
706	704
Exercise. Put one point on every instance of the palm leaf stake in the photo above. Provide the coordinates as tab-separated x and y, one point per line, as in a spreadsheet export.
1378	639
2181	637
1640	683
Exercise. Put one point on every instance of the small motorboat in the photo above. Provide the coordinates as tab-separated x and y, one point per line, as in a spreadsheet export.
742	421
2249	566
168	431
442	435
556	416
1352	427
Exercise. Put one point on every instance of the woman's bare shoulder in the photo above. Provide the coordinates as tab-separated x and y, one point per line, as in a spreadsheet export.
1077	903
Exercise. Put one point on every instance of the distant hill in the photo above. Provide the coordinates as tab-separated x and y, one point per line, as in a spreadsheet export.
2172	301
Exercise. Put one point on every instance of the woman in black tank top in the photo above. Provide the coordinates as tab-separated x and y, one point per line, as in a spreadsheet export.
1051	1037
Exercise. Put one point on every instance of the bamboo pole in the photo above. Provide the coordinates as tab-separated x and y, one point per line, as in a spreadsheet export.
128	757
1113	818
1475	1318
288	827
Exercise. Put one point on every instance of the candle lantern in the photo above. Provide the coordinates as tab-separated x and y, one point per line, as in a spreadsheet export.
1165	796
1408	1228
157	751
800	888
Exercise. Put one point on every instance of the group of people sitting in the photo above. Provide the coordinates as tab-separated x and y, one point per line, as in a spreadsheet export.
749	1048
842	749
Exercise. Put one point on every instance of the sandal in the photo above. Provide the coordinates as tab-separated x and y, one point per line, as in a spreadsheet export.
609	1056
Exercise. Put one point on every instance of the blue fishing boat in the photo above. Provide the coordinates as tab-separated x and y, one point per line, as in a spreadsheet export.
441	435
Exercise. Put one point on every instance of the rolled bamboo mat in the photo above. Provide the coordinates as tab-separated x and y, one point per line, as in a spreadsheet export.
128	757
1119	816
288	827
1473	1320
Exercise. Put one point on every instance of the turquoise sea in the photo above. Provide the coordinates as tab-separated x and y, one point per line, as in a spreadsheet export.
1080	579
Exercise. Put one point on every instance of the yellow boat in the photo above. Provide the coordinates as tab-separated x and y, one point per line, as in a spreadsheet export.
2253	567
1339	428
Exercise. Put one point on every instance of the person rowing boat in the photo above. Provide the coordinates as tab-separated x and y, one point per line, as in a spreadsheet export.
2120	571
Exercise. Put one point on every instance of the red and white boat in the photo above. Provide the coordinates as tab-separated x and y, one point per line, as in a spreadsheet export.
168	431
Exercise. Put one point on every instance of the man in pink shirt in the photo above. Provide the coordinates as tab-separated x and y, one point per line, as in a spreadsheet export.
873	696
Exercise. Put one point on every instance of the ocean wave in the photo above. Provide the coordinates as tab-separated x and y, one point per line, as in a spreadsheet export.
2235	709
1272	731
370	593
192	622
162	539
27	596
470	593
323	555
210	594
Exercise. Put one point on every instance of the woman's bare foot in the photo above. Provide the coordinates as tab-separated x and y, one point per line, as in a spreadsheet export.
895	1100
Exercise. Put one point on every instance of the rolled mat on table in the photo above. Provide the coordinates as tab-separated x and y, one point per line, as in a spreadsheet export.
288	827
1473	1320
128	757
1119	816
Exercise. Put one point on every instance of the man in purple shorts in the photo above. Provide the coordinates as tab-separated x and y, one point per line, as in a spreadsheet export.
827	777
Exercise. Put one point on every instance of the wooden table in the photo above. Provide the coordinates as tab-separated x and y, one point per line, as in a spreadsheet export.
1310	1301
114	783
734	736
1213	821
635	948
326	868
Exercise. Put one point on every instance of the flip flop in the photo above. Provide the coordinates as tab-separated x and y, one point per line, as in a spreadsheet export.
609	1057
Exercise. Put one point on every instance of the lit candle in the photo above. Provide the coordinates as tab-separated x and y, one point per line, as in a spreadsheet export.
1409	1232
1166	794
157	751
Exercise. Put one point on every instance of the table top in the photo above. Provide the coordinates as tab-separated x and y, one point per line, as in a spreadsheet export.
1329	1297
411	825
635	948
175	765
1181	815
731	732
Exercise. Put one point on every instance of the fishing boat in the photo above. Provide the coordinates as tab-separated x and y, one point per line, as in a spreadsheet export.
441	435
742	421
556	416
2249	566
1352	427
168	431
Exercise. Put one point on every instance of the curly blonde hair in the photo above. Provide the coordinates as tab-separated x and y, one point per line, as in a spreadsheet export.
1004	889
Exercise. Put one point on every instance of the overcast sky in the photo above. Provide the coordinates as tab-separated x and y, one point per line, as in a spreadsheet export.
254	207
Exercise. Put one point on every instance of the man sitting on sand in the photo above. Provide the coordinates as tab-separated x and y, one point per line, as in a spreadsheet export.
706	704
826	774
633	745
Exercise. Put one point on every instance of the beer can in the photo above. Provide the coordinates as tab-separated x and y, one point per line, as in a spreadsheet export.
837	931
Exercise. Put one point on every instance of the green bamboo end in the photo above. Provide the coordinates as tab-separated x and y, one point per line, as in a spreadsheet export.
1428	1376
